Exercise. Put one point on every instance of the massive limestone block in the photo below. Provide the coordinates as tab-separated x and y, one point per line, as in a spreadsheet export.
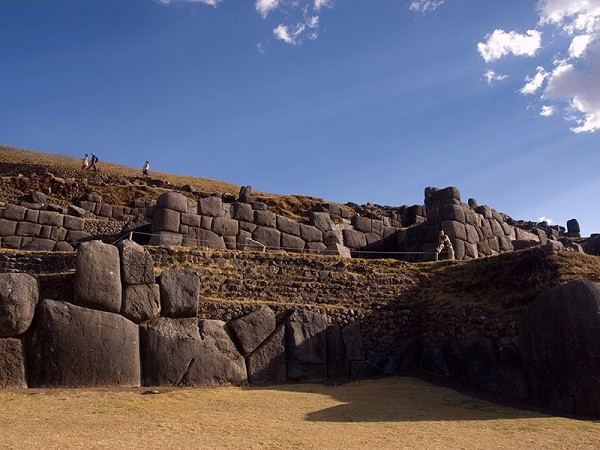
218	361
15	212
560	347
166	238
337	364
198	237
168	348
310	233
19	294
225	227
353	342
481	360
306	346
321	220
267	363
173	201
98	276
405	359
251	330
210	206
242	212
137	266
291	243
179	291
12	365
141	302
354	239
7	227
166	220
265	219
71	346
270	237
287	225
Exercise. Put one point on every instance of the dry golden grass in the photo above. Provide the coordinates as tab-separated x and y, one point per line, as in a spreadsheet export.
375	414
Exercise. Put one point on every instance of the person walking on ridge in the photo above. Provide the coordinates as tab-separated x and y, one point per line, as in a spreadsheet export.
145	169
93	162
85	163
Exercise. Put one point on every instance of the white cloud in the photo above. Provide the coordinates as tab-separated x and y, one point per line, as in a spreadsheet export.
425	5
573	83
323	3
492	76
534	83
545	219
206	2
295	34
547	111
264	7
501	43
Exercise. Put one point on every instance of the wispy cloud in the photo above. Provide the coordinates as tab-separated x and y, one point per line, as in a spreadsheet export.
264	7
206	2
298	19
573	79
492	76
425	5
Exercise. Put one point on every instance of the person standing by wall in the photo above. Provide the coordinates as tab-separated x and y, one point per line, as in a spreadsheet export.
444	242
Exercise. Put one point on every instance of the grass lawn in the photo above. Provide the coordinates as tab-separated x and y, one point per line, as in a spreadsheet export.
370	414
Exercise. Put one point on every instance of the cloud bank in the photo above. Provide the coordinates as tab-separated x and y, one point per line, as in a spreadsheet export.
570	82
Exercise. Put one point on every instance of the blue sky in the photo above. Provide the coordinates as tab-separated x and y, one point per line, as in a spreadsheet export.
357	100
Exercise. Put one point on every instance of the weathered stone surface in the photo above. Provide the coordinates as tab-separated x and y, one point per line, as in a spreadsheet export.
15	212
267	236
481	360
306	346
405	359
37	244
242	212
267	364
337	249
291	243
98	276
166	238
321	221
173	201
353	342
19	294
168	348
28	229
454	230
251	330
433	362
12	365
210	206
453	212
50	218
77	236
179	291
70	346
287	225
62	246
265	219
58	233
192	220
31	215
509	373
217	360
7	227
454	355
337	364
354	239
361	223
166	220
141	302
137	266
225	227
559	339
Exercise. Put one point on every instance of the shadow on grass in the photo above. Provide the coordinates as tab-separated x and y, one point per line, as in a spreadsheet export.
402	399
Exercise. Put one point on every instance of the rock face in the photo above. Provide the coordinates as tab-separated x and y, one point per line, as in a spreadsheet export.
405	359
136	263
18	296
267	363
481	359
98	277
179	291
12	366
306	346
560	336
252	329
70	346
181	352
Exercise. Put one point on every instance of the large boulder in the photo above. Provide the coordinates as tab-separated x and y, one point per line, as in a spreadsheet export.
19	294
12	365
267	363
71	346
306	346
181	352
98	276
252	329
179	291
560	347
141	302
354	344
173	201
137	266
